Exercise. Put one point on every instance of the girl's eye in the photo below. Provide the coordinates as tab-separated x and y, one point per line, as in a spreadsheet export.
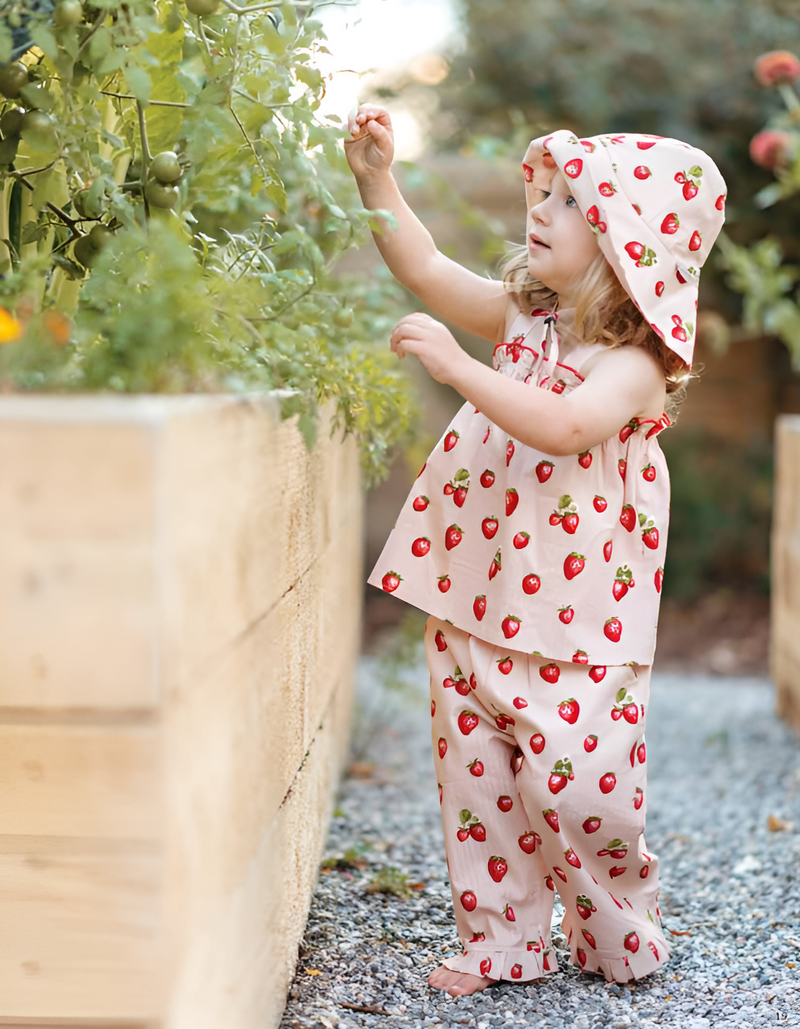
572	202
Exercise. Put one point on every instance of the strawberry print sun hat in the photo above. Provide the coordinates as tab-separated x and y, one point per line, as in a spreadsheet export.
656	206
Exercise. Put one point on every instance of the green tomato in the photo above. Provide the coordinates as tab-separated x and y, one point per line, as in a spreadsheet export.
11	122
202	7
39	130
68	12
159	194
83	251
79	203
13	77
165	166
99	236
343	317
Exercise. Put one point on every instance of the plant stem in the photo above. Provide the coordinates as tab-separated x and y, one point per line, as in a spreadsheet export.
790	98
145	153
153	103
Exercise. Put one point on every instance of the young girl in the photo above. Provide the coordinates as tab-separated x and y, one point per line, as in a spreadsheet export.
535	538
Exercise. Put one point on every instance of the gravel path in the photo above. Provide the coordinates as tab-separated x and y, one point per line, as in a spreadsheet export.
723	816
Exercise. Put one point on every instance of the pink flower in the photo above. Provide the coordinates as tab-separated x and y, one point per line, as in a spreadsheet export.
770	149
776	68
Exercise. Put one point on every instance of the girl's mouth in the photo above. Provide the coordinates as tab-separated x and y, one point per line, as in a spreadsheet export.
534	243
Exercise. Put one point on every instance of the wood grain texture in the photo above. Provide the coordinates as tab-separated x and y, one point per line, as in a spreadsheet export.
785	569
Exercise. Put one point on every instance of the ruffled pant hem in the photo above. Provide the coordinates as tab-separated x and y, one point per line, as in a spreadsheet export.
618	968
516	965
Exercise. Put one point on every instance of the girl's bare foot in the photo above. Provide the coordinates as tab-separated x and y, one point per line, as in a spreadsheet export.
457	984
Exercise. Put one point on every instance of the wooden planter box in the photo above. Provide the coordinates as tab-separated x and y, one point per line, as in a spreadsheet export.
180	599
785	570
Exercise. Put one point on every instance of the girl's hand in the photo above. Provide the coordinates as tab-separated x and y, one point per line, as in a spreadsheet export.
432	343
371	150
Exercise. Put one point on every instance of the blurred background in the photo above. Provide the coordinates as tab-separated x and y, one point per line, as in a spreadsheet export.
468	83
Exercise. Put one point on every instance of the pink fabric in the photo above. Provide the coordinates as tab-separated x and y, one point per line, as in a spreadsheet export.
570	819
554	555
656	206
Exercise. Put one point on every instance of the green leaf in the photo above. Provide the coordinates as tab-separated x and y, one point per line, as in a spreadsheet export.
277	193
138	83
310	76
44	38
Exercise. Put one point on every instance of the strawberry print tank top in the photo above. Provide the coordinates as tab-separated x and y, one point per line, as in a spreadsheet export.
558	556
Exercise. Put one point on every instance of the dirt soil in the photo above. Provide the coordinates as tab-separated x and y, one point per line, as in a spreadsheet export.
723	632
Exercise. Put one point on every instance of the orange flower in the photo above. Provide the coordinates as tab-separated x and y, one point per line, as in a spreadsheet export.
58	326
10	328
770	149
777	68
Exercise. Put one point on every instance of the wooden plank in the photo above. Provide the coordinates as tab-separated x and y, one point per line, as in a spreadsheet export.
81	922
79	780
785	566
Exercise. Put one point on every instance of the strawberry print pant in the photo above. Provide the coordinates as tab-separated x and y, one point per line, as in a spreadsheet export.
542	777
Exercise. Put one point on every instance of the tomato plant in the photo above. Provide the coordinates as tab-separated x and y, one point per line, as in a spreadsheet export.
173	207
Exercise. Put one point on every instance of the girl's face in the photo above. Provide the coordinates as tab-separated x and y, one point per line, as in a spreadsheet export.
561	243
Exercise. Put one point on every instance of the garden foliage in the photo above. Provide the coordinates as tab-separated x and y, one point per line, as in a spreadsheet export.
172	208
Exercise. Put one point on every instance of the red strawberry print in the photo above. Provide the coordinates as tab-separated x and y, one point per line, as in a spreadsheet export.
572	858
519	703
537	742
628	430
441	642
580	657
590	743
551	817
623	581
512	499
633	755
617	870
670	224
566	614
467	721
638	798
420	547
505	665
468	900
608	546
641	254
569	523
531	584
528	172
593	215
606	189
562	875
627	517
443	583
391	581
473	682
550	673
489	527
592	824
555	518
487	478
573	565
420	503
516	970
622	467
486	966
505	803
476	768
479	606
422	469
652	947
558	386
589	939
459	496
696	241
551	886
679	277
497	868
569	710
642	172
450	440
649	473
462	835
613	629
433	708
462	687
544	469
641	753
581	957
478	937
496	565
521	540
585	459
510	626
453	536
690	191
658	579
528	841
659	288
607	782
442	747
644	871
650	538
600	503
503	721
448	489
509	452
615	849
719	203
560	776
584	906
478	832
597	673
573	168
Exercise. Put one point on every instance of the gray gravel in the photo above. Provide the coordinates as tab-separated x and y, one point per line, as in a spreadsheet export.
720	764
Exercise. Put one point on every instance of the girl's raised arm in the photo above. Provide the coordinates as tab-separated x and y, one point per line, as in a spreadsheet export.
476	304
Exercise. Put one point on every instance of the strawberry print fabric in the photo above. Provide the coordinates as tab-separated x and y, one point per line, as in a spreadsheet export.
554	555
656	206
541	766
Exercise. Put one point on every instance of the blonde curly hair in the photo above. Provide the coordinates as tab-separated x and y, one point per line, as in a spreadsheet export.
604	313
